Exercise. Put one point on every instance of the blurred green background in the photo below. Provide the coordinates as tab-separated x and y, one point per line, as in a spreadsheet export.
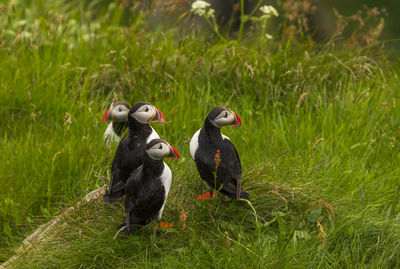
392	21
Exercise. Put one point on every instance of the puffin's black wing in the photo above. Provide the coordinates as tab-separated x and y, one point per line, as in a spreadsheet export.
128	157
131	188
206	167
118	175
143	197
132	192
230	171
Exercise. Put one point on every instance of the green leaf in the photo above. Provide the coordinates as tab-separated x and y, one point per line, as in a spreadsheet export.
302	234
7	229
278	213
351	229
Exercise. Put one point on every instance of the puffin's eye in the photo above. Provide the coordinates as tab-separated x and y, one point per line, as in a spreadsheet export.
226	115
147	109
119	109
160	147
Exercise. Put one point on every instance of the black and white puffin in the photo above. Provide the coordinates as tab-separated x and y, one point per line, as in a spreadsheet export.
130	151
216	157
148	186
118	115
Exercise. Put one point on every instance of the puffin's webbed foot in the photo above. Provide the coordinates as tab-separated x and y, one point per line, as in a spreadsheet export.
109	199
128	230
123	224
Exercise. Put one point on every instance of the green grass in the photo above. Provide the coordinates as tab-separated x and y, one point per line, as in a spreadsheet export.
339	144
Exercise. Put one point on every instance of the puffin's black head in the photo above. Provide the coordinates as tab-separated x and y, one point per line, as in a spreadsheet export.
144	112
117	112
158	149
221	116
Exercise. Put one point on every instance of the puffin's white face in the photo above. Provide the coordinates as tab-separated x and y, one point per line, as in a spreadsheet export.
119	113
226	117
161	149
147	113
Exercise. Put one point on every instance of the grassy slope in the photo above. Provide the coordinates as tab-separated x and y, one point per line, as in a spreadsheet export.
47	163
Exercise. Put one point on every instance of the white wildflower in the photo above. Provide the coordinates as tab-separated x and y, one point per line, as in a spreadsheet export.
199	7
268	36
268	11
199	4
210	12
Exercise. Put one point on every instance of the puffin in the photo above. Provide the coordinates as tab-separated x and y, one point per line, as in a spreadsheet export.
216	158
118	115
148	186
130	151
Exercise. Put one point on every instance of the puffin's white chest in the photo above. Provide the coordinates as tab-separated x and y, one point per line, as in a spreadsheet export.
194	143
166	178
110	136
152	136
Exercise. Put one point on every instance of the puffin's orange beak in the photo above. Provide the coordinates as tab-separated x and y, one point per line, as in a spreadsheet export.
174	154
106	116
237	121
158	117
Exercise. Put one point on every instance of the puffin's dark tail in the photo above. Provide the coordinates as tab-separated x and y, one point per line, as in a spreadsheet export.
111	198
244	195
135	225
115	192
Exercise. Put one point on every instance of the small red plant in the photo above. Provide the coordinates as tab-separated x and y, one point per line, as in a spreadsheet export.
205	196
217	158
164	225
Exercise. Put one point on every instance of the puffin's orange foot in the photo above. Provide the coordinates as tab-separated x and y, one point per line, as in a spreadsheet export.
205	196
164	225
